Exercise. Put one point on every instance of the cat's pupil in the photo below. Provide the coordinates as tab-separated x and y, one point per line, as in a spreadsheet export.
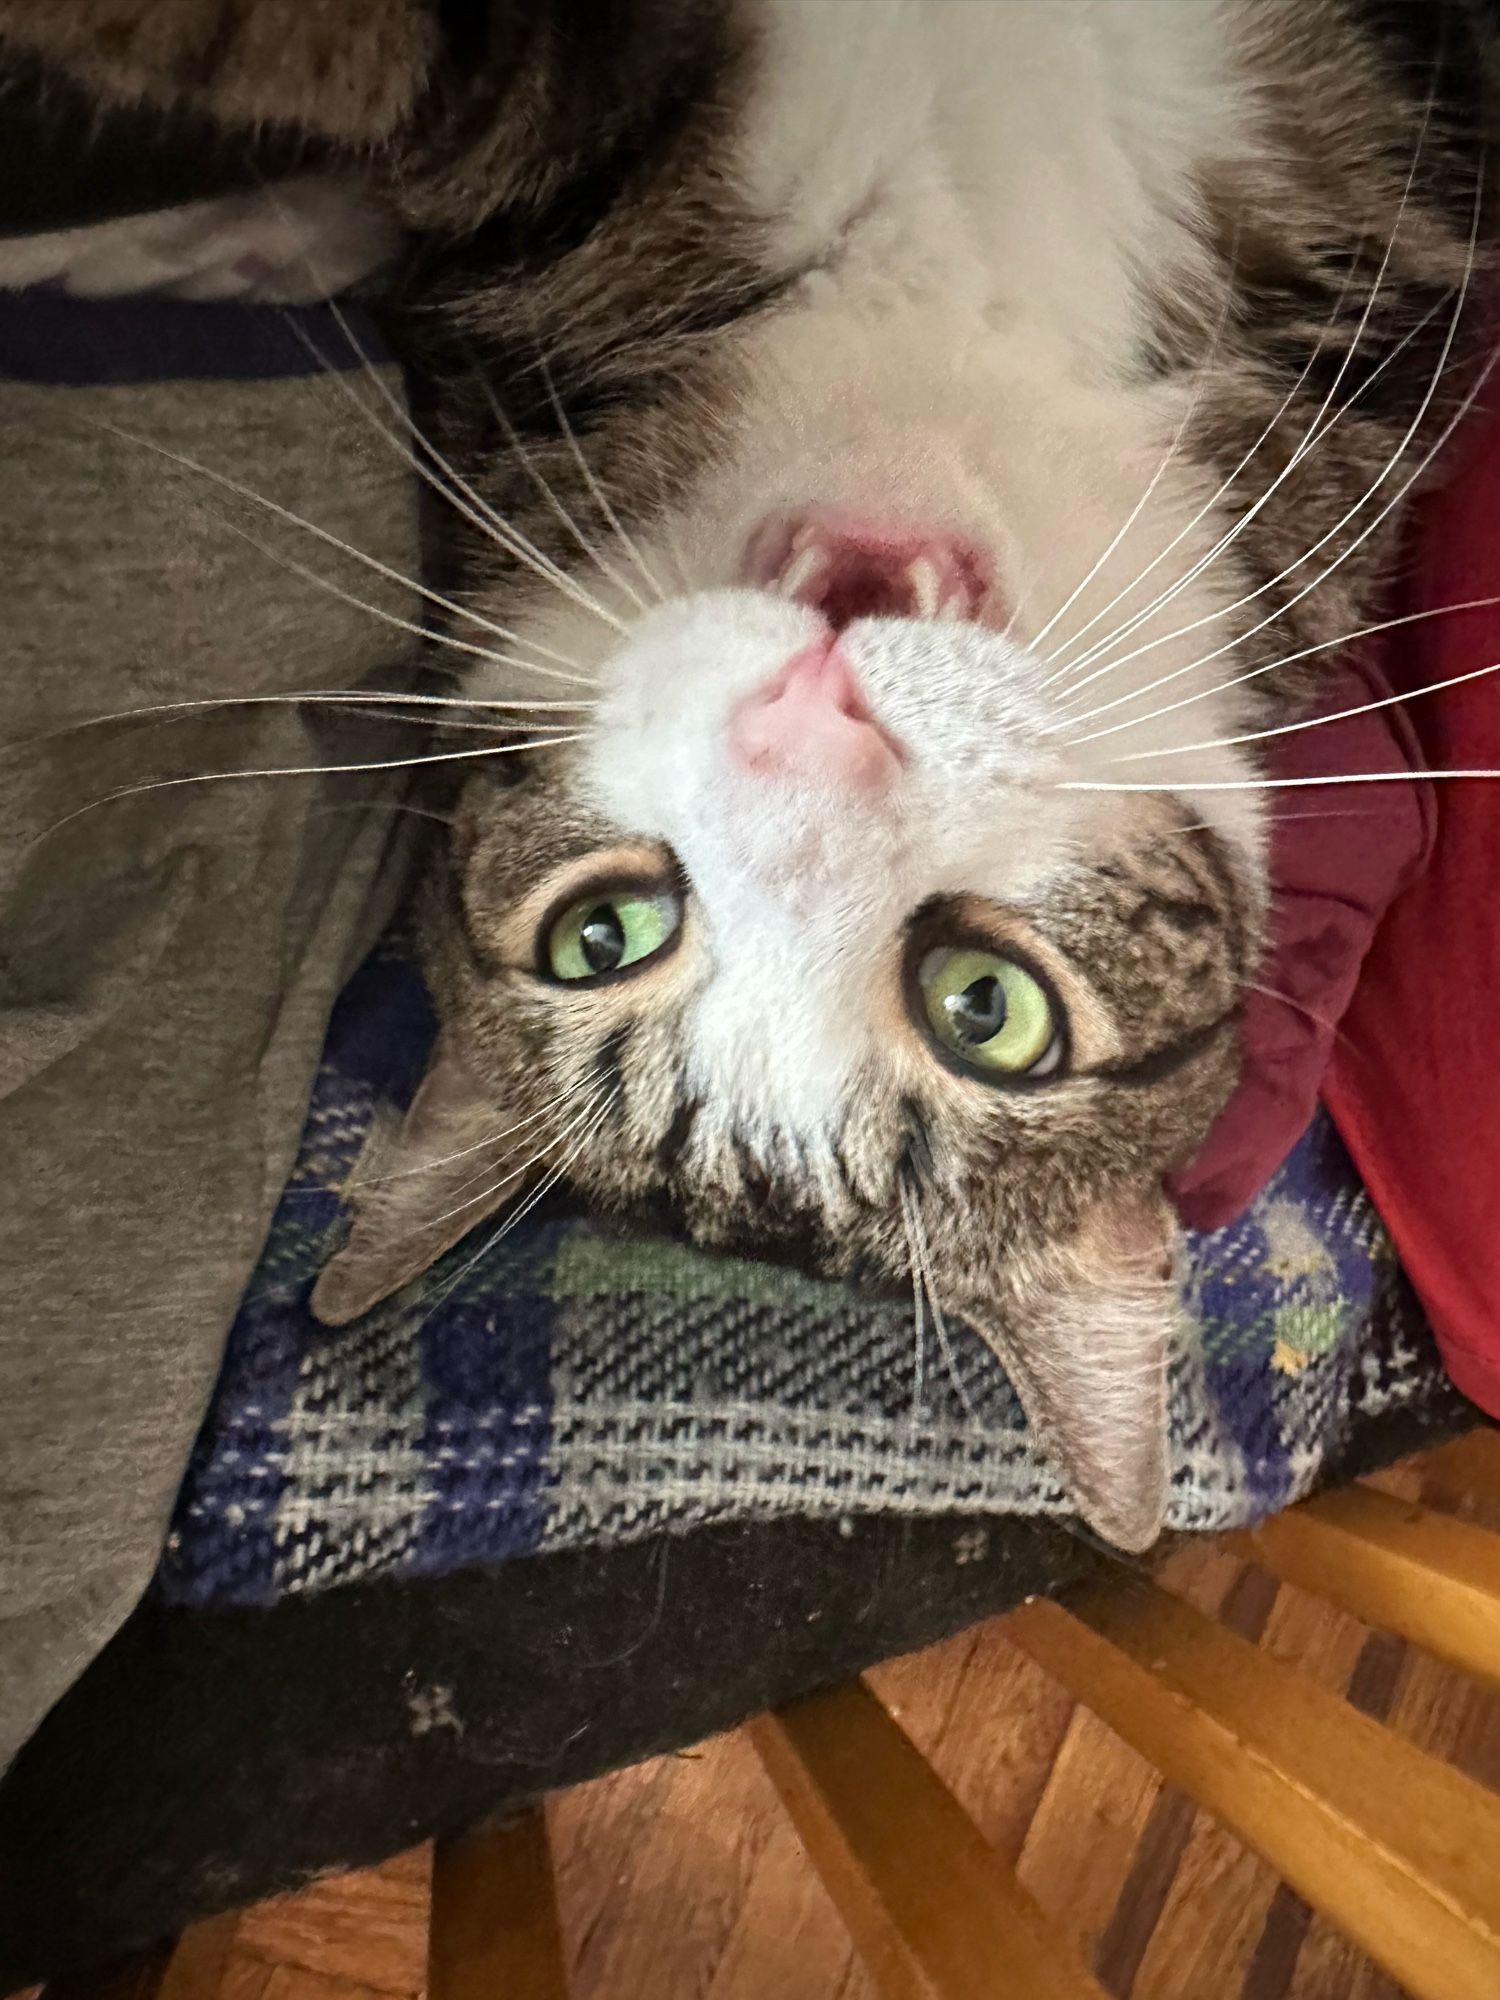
978	1013
601	938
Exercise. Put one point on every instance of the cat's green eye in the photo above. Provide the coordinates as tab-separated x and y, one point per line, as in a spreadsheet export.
989	1011
609	930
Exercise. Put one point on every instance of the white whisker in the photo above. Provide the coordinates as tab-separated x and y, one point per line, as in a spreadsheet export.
919	1323
464	1152
566	1092
1073	663
388	704
1287	660
513	1173
1312	436
431	635
478	511
1317	721
940	1324
536	742
1465	405
1072	670
679	560
446	482
543	1188
544	487
1296	1007
1133	516
1272	817
601	498
243	492
1266	784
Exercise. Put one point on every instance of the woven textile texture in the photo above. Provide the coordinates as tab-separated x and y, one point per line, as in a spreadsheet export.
556	1385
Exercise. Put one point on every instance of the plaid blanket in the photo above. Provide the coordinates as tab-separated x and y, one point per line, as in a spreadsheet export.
571	1387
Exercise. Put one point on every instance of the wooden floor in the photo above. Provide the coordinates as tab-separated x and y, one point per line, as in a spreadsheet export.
681	1879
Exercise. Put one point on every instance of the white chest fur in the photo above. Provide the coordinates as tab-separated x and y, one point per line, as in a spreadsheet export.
1034	156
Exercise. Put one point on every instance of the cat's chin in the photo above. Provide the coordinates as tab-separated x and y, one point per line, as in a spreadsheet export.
845	566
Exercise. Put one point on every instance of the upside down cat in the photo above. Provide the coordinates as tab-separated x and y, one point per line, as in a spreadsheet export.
905	454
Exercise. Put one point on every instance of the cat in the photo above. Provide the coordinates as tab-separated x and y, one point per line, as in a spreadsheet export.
911	450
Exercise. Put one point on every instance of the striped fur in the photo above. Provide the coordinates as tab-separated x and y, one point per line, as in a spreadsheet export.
1168	304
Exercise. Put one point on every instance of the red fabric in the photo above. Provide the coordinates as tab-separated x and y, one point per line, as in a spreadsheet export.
1414	1082
1339	856
1382	984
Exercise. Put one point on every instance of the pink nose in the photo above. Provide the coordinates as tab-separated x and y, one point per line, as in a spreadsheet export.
810	721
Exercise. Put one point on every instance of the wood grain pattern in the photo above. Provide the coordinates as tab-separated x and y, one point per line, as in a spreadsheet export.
602	1834
667	1898
933	1912
1424	1701
251	1979
197	1966
494	1929
787	1938
1398	1565
1088	1829
1243	1598
194	1968
1440	1711
1394	1846
368	1930
988	1720
1228	1921
1106	1837
1465	1471
684	1877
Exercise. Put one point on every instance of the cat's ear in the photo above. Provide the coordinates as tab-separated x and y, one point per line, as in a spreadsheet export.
420	1187
1086	1337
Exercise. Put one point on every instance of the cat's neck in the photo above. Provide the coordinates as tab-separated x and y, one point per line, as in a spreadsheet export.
1029	164
988	202
980	207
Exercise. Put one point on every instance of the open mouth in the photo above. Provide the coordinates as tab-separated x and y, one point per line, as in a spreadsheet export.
846	568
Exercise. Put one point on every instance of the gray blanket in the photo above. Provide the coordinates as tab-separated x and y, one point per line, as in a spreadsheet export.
167	960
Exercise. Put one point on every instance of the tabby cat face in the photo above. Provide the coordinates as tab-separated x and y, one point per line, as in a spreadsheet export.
794	986
807	948
999	394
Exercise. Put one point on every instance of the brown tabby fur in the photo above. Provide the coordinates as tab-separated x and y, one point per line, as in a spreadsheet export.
563	163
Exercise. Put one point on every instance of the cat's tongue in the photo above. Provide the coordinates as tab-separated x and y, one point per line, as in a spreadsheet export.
847	568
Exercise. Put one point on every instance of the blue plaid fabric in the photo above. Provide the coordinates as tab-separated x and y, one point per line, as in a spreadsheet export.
566	1387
